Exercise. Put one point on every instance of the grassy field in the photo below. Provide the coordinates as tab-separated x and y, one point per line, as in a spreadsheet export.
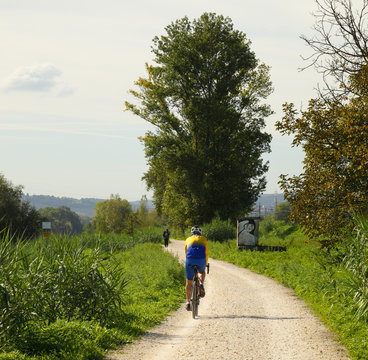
319	277
74	298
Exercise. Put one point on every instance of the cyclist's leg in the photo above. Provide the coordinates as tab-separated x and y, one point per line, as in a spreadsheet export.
201	269
188	288
202	276
189	273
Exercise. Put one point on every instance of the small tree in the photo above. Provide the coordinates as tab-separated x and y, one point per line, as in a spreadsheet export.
334	128
111	215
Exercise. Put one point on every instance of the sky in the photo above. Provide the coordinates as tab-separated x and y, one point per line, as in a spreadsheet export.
66	69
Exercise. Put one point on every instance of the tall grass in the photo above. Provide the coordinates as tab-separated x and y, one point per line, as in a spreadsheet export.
58	279
219	230
216	230
113	242
70	298
155	287
355	262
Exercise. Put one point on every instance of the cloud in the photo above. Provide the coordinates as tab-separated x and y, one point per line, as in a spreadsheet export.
38	128
38	78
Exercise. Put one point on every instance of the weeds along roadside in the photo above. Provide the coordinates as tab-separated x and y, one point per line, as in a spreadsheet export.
74	297
332	282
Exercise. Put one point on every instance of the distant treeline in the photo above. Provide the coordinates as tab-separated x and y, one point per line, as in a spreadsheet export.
83	207
86	206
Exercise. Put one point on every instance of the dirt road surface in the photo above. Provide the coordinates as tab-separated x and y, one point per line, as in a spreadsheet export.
244	316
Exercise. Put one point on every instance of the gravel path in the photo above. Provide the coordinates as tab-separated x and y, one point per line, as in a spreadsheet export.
243	316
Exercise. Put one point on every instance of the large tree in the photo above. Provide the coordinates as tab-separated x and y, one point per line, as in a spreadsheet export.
333	131
203	96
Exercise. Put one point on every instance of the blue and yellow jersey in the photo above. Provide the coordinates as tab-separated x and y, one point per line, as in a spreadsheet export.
196	247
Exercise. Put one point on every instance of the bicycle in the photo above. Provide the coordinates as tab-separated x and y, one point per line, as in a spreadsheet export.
194	295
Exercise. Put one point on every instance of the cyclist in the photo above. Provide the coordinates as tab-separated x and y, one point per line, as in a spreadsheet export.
196	253
166	236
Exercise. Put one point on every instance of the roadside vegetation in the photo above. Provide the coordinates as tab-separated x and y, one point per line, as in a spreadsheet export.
75	297
332	282
72	297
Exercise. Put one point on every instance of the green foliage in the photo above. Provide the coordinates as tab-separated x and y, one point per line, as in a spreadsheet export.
204	96
279	230
63	220
57	278
219	230
331	281
332	130
282	212
112	243
355	261
145	217
13	355
156	285
49	288
18	216
62	340
266	225
111	215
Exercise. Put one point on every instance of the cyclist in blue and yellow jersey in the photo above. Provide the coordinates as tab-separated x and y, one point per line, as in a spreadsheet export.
196	253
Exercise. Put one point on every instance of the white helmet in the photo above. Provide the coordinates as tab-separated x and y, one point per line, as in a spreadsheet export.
196	230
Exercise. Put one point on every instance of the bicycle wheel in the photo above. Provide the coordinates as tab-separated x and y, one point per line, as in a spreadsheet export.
194	299
197	298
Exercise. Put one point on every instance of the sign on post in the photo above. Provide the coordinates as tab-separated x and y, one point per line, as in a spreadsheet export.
46	227
247	234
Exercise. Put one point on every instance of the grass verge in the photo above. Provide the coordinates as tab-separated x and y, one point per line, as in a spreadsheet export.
74	298
304	268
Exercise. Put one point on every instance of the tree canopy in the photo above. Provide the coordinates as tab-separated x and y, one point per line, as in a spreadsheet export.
111	215
203	97
63	220
18	216
333	132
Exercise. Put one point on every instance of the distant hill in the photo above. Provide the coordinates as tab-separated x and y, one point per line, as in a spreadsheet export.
83	207
86	206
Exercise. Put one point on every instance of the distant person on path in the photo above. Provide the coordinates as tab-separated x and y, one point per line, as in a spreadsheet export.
196	253
166	236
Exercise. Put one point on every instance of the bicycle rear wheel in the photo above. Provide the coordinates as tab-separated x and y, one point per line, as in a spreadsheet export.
194	299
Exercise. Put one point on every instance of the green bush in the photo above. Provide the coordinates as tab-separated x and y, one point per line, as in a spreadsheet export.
219	230
266	225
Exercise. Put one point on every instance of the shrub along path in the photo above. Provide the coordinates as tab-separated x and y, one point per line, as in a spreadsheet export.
243	316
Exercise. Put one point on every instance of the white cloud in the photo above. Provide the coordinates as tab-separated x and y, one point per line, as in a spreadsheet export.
38	78
32	128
